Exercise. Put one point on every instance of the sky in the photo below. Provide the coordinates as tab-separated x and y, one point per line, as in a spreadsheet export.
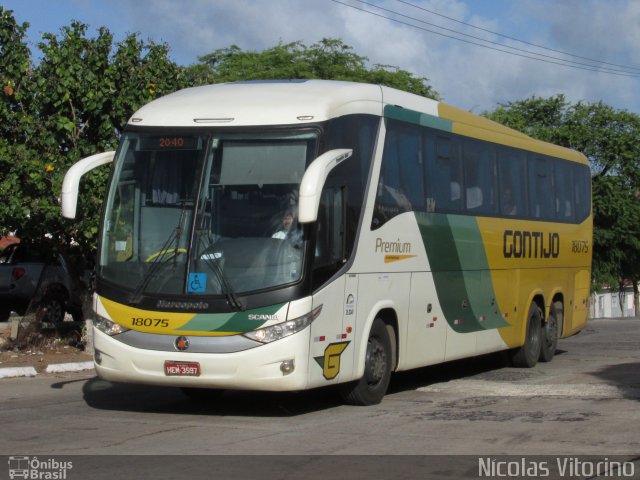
601	35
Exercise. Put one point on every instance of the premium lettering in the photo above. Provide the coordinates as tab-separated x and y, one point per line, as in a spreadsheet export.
392	247
524	244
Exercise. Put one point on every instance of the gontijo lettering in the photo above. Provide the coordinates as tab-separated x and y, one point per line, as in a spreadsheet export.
523	244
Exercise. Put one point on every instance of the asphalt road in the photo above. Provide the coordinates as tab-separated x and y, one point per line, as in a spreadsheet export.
585	402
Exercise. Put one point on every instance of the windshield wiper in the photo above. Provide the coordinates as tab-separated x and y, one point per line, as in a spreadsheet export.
166	249
227	290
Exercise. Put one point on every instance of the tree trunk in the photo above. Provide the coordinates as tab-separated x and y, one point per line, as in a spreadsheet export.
621	296
636	298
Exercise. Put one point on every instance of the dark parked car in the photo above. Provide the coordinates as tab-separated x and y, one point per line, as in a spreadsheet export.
34	277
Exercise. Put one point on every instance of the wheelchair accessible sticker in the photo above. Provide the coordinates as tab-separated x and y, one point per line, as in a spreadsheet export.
197	283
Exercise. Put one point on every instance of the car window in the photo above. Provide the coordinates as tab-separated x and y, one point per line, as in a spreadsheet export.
6	256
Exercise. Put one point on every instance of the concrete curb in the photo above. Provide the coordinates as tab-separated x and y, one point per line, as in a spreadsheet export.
13	372
69	367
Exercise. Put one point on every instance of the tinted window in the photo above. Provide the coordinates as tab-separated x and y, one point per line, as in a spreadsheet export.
479	177
541	204
443	173
513	182
400	186
582	191
357	132
564	190
426	169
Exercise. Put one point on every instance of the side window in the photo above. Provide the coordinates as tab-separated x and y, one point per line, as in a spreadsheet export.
513	184
330	239
479	177
582	191
443	173
400	186
564	204
358	132
541	204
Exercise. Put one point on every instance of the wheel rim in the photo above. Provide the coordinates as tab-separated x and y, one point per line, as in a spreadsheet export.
55	312
376	361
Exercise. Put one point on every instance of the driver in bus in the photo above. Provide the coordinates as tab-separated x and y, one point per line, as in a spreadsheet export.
286	226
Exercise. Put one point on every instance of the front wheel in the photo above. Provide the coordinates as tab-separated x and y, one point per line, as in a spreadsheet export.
527	355
371	388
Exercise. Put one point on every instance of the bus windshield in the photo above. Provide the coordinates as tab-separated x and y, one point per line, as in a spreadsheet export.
205	214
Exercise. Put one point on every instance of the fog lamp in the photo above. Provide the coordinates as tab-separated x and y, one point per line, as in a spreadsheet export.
287	367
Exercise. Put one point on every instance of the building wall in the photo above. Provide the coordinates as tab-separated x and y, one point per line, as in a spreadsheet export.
606	304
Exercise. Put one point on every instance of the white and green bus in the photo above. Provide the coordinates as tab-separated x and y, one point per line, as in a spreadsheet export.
287	235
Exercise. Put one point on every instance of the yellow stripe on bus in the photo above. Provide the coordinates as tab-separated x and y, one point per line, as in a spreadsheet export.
145	320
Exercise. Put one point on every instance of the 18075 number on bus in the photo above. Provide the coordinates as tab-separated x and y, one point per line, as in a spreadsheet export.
580	246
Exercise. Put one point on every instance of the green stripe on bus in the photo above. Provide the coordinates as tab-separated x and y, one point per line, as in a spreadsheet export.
460	271
237	322
446	269
475	270
418	118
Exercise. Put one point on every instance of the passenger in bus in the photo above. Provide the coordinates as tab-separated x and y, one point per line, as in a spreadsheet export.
508	203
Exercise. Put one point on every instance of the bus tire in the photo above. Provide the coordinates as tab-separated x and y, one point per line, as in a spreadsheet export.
527	355
551	332
372	387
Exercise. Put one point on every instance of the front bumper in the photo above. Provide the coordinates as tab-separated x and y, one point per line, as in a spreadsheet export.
254	369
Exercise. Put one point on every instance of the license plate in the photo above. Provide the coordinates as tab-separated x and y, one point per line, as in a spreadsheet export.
182	369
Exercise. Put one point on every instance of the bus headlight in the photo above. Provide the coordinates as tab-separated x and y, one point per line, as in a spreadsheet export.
107	326
281	330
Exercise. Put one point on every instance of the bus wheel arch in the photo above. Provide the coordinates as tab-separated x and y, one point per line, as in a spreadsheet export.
552	329
379	362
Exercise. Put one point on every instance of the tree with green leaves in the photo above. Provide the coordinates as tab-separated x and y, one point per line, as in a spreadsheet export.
74	103
609	139
329	59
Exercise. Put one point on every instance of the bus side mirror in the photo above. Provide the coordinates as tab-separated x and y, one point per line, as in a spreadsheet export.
71	183
313	181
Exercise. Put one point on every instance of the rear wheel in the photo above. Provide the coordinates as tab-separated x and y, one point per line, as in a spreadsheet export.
371	388
551	332
527	355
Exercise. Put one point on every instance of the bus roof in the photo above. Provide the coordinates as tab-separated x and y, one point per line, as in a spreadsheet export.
290	102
